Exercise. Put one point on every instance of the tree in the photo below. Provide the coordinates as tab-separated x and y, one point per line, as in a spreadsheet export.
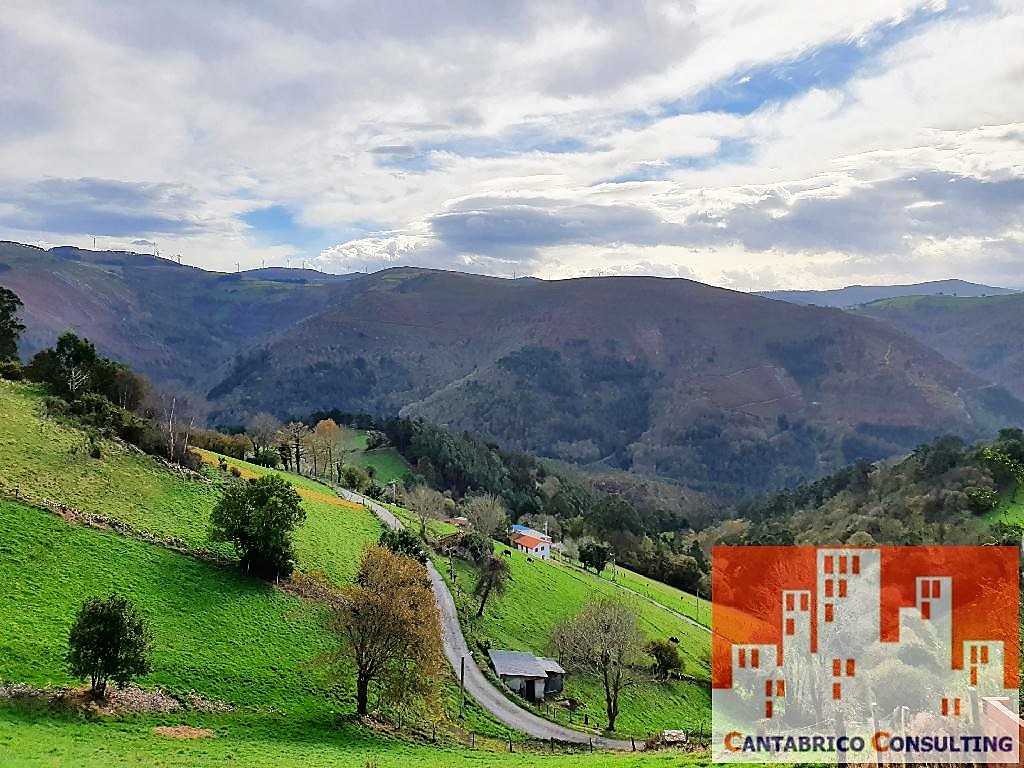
426	504
475	546
486	513
261	429
355	478
403	542
321	445
258	517
390	627
492	577
603	639
10	328
108	641
294	434
74	361
666	657
595	555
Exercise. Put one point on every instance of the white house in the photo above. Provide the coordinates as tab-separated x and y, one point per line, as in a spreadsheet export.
532	545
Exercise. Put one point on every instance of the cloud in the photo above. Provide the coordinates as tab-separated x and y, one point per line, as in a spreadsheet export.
773	140
101	207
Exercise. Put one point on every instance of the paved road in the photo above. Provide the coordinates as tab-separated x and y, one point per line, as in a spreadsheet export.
477	684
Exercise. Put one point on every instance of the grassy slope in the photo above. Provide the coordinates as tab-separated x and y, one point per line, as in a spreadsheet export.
541	594
670	597
43	458
29	740
1010	510
387	462
218	633
335	530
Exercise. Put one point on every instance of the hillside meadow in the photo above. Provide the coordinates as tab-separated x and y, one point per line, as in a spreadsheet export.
540	594
227	638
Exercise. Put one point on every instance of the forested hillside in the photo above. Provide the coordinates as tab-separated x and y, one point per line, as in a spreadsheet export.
723	392
981	334
944	492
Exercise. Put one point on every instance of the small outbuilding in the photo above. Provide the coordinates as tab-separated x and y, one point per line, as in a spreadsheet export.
532	677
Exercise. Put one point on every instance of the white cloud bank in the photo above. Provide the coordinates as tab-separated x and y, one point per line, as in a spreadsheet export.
755	145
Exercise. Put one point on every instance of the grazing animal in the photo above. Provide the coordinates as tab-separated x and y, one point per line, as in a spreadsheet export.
507	553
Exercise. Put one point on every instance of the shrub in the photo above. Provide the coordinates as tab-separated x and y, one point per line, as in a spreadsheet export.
354	478
404	542
475	547
666	658
235	472
11	370
109	641
267	457
982	500
258	517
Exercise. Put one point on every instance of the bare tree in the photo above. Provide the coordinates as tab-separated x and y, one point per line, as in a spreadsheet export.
486	514
604	640
426	503
261	430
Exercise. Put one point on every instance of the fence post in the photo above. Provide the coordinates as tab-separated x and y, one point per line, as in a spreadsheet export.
591	740
509	743
552	745
632	743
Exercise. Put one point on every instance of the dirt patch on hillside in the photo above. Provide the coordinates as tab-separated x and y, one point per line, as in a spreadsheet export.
182	732
119	701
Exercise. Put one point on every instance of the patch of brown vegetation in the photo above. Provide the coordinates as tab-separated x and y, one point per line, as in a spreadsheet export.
182	732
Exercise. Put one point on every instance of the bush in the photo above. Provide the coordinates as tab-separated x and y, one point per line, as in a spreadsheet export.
981	500
109	641
267	457
667	660
258	517
404	542
354	478
475	547
11	370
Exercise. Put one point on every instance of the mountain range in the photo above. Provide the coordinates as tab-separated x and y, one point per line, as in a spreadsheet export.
722	391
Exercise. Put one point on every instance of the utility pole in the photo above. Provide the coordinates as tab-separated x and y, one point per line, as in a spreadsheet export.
462	687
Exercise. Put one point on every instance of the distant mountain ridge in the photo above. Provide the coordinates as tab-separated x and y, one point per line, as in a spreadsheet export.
985	335
855	295
722	391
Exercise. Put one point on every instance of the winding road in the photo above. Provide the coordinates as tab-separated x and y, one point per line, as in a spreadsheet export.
477	684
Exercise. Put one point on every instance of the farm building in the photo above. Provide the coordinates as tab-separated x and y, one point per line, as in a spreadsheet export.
532	677
531	545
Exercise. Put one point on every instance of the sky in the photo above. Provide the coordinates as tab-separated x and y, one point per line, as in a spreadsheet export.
752	144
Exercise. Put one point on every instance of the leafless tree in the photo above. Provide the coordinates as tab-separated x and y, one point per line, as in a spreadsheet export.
603	640
486	513
426	503
261	430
